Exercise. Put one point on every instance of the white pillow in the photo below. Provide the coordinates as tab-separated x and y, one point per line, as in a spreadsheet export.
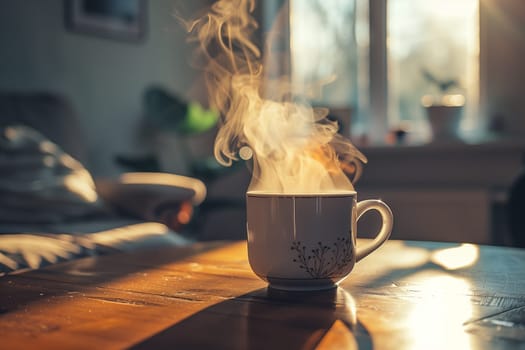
40	182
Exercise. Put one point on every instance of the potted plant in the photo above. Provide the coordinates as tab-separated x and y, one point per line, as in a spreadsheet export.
444	110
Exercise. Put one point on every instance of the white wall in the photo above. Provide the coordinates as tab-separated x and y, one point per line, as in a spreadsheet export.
103	78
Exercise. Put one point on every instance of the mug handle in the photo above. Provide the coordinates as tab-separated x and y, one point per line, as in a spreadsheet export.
386	227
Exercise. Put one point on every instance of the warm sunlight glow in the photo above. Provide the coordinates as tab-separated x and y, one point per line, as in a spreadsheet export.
441	306
77	183
453	8
338	337
453	100
411	257
167	180
340	334
130	233
427	100
457	258
35	249
295	147
38	248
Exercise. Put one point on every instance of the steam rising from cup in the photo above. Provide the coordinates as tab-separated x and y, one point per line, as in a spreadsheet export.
294	147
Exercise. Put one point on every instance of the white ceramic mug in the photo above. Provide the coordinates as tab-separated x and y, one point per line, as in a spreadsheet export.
308	241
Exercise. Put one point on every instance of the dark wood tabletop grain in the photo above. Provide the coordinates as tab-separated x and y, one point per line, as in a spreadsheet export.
407	295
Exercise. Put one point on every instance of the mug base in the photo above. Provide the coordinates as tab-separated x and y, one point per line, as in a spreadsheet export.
297	285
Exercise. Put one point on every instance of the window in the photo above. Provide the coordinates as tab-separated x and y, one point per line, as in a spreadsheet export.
379	62
329	54
432	50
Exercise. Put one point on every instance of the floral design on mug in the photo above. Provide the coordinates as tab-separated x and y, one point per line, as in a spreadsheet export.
324	261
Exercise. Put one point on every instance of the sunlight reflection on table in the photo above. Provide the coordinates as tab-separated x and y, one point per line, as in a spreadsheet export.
463	256
435	325
442	306
431	279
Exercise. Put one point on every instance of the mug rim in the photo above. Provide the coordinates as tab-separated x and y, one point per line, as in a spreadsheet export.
331	194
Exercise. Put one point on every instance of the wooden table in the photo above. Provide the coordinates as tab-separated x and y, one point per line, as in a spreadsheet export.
407	295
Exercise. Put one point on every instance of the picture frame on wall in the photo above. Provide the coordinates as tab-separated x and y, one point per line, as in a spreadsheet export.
123	20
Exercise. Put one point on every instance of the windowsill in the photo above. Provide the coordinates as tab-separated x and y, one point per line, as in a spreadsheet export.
491	164
488	143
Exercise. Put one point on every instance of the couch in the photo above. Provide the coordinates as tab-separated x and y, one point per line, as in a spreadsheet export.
52	210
